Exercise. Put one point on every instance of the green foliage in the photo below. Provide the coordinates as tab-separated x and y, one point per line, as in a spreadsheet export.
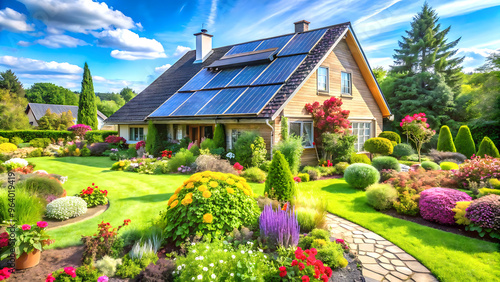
487	147
448	166
85	272
284	128
360	158
332	255
379	145
391	135
386	162
265	166
483	128
338	147
408	203
28	208
40	142
65	208
153	142
10	82
5	140
464	142
292	149
28	135
329	253
327	170
305	217
87	108
195	150
361	176
43	186
36	153
130	268
402	150
12	108
254	174
341	167
313	172
488	191
279	183
127	94
304	177
428	165
85	151
94	196
49	93
381	196
207	144
15	140
494	183
311	212
250	149
445	141
7	147
98	136
183	157
220	136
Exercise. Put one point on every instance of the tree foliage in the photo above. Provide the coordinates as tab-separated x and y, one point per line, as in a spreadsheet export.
9	81
418	131
220	136
338	147
153	142
87	109
445	141
12	103
127	94
279	183
49	93
53	121
464	142
487	147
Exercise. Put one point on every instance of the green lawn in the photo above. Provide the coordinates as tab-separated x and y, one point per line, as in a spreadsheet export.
140	197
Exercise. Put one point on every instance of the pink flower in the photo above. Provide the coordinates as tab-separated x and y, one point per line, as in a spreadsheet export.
42	224
70	271
26	227
50	278
103	278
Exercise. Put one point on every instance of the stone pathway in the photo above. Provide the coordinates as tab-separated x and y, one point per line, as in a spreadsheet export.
381	259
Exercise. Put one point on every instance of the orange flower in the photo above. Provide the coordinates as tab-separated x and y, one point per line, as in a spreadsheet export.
186	201
174	196
190	185
213	184
178	190
202	188
189	195
248	193
208	218
207	194
174	204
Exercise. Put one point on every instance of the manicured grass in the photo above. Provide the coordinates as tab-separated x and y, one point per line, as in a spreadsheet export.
141	197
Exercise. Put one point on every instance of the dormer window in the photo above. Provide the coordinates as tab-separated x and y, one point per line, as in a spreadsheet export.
323	79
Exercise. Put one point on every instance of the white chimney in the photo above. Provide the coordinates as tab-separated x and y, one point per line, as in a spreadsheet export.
203	46
301	26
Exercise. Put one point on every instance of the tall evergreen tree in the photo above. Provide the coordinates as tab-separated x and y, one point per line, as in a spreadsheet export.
87	109
9	81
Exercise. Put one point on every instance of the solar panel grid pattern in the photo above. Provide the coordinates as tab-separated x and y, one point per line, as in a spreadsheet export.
277	42
253	100
223	78
195	103
199	80
247	75
302	43
219	104
243	48
279	70
171	104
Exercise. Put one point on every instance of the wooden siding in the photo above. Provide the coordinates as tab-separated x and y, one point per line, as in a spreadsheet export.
263	129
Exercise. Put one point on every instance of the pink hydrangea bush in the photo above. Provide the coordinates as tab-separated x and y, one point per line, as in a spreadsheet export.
485	212
436	204
80	129
477	169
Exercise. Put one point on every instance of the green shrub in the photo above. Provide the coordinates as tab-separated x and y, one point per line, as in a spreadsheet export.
284	128
85	272
488	191
153	141
379	145
254	174
445	141
360	158
487	147
402	150
107	265
448	166
305	242
7	147
207	144
28	135
195	150
314	172
16	140
85	151
361	175
4	140
28	208
494	183
428	165
381	196
98	136
305	217
464	142
304	177
279	183
183	157
391	135
386	162
341	167
265	166
250	149
40	142
292	150
67	207
327	170
44	186
332	255
130	268
35	153
220	136
338	147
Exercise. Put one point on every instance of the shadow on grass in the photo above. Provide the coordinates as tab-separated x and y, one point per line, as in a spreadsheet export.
152	198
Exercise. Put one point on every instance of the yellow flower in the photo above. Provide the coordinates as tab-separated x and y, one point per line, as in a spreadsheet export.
178	190
230	181
230	190
239	185
204	180
121	163
174	196
206	173
213	184
207	194
208	218
223	177
196	177
189	195
241	179
248	193
186	201
190	185
174	204
202	188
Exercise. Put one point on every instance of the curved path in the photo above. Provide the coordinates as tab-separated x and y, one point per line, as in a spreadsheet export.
381	259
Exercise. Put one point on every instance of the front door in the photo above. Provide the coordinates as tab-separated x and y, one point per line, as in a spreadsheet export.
198	132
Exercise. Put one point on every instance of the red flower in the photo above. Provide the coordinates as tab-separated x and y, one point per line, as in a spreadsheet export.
126	221
294	262
283	274
50	278
42	224
284	207
324	278
301	266
70	271
305	278
314	144
282	268
328	271
5	273
26	227
314	251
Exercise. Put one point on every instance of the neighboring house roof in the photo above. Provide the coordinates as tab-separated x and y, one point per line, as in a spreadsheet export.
253	79
39	110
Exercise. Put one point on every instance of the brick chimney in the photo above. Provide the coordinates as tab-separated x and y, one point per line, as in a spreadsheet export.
301	26
203	45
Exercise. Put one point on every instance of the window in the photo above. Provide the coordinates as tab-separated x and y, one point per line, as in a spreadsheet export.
363	131
136	134
235	134
303	129
323	79
345	83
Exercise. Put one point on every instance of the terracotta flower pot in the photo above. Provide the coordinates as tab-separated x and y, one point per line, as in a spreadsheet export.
64	194
27	260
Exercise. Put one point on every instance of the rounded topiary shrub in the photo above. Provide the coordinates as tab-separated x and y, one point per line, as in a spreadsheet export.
487	147
445	140
402	150
210	204
379	145
360	158
254	174
437	204
279	183
361	175
484	212
464	142
391	135
44	186
381	196
448	166
7	147
341	167
67	207
428	165
381	163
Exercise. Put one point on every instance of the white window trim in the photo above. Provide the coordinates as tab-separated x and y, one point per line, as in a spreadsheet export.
372	127
350	83
327	80
302	130
231	145
137	128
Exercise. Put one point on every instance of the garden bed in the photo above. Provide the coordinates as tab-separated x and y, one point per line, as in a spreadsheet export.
91	212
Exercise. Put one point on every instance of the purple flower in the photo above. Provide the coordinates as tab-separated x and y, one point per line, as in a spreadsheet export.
280	227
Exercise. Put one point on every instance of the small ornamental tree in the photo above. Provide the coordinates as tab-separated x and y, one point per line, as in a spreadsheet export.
417	129
445	141
279	183
220	136
329	117
464	142
487	147
152	140
80	130
87	108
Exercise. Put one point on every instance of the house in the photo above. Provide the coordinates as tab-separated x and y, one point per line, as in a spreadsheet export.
252	85
35	111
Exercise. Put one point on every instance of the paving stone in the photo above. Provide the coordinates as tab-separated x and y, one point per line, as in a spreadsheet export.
423	277
376	268
373	236
357	232
394	249
391	278
362	253
379	251
397	262
417	266
389	255
347	226
387	266
405	256
384	242
399	275
358	236
371	276
383	260
373	255
366	259
358	241
404	270
366	247
369	241
379	246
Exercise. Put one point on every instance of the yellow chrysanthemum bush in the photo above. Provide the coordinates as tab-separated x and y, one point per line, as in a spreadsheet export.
210	204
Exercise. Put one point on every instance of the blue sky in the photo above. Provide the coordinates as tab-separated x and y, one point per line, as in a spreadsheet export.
130	43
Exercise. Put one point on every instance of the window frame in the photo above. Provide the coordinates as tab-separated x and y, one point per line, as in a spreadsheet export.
357	147
302	122
239	132
327	83
131	134
342	83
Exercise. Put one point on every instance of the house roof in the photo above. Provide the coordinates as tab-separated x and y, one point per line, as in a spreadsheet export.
252	79
39	110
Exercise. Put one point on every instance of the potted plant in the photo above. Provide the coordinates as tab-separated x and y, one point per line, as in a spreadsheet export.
30	241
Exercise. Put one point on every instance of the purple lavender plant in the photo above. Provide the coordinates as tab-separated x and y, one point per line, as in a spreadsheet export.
279	227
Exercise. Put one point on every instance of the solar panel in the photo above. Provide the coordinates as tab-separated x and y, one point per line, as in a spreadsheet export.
277	42
223	78
219	104
279	70
253	100
171	104
302	43
195	103
247	75
199	80
243	48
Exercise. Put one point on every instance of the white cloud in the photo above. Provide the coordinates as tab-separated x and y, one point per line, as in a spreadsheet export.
457	8
132	56
130	45
38	67
378	11
14	21
60	40
484	52
384	62
77	15
163	68
468	59
181	50
213	13
378	45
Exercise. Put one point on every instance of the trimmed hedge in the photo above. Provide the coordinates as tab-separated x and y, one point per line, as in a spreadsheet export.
280	180
464	142
482	129
360	158
448	166
379	145
391	135
428	165
487	147
361	175
402	150
97	136
381	163
28	135
445	141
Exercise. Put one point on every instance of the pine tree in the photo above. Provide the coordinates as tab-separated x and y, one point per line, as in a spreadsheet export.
487	147
153	142
279	183
220	136
87	109
9	81
464	142
445	140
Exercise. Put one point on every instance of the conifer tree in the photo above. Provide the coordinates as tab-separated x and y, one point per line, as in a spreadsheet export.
279	183
220	136
153	142
464	142
445	140
487	147
87	108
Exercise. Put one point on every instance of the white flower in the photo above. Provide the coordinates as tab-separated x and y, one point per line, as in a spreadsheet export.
265	256
261	250
192	244
232	274
211	265
194	251
225	250
200	277
205	269
192	278
221	261
183	265
64	179
233	256
208	247
250	251
242	252
179	267
213	276
201	257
